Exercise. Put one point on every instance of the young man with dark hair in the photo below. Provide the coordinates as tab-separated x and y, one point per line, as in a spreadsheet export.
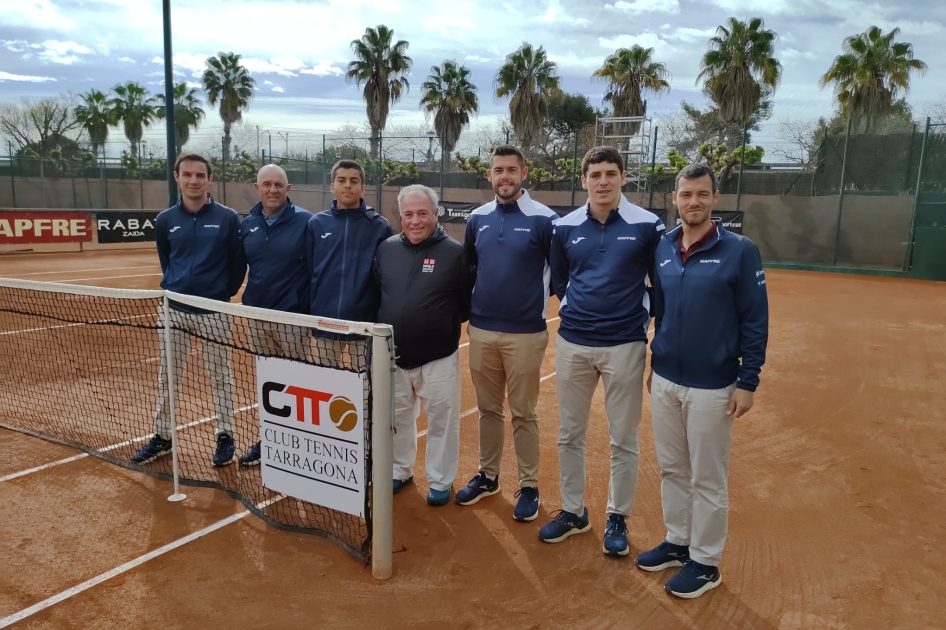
507	241
199	248
341	244
711	321
273	237
602	256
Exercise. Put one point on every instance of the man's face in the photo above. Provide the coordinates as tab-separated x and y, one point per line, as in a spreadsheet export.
273	190
695	200
192	179
603	181
418	218
347	187
506	176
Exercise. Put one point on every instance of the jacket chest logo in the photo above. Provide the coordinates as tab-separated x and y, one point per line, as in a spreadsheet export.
428	265
175	228
253	229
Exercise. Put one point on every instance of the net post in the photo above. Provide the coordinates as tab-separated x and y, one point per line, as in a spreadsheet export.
382	450
172	399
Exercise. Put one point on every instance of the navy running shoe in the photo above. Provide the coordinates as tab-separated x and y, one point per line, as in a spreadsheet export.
527	508
480	486
252	457
155	448
693	580
563	525
663	556
437	498
615	536
223	456
400	484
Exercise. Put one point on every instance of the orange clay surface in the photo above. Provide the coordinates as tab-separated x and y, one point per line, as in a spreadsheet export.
837	492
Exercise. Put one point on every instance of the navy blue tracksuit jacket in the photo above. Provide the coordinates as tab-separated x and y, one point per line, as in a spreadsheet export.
710	313
279	269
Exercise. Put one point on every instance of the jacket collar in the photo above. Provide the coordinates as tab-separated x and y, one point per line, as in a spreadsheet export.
210	203
623	206
438	235
673	234
525	201
287	212
340	212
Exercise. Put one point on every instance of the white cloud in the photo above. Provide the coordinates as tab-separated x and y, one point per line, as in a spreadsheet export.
261	66
126	60
268	83
6	76
555	14
644	40
637	7
791	54
276	88
690	35
33	13
324	68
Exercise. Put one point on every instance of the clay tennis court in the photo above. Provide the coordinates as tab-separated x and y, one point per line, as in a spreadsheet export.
837	492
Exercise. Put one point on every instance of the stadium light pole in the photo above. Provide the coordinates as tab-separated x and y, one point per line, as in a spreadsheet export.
169	103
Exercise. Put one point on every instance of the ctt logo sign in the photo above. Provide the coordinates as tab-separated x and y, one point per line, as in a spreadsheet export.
312	433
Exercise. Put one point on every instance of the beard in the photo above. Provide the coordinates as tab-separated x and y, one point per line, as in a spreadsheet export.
515	191
694	222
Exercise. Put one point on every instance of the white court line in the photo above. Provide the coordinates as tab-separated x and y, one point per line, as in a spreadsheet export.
46	273
160	551
112	447
103	321
138	275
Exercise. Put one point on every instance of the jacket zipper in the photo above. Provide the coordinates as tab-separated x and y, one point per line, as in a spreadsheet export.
341	291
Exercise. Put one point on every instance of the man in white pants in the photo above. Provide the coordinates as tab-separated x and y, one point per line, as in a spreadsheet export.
711	323
602	255
425	296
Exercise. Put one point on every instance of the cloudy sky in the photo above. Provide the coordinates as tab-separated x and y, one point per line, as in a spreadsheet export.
297	50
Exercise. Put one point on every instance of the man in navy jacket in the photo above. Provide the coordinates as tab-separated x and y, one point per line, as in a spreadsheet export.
602	255
200	252
341	244
711	321
273	238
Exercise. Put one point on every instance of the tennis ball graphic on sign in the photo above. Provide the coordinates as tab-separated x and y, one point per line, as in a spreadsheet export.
343	413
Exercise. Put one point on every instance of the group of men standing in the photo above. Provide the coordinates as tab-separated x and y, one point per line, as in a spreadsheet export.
612	265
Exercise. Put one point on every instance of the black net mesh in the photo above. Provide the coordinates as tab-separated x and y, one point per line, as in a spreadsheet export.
89	371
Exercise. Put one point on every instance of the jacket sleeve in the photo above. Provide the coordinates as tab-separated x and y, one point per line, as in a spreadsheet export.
236	256
464	287
163	243
469	244
657	301
752	307
558	262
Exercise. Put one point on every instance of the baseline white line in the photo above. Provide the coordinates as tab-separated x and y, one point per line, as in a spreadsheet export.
47	273
103	321
160	551
137	275
112	447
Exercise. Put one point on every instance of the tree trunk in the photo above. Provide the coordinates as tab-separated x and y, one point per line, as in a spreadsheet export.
375	135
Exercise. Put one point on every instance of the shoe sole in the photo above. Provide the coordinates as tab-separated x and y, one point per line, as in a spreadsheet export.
222	464
621	554
659	567
151	459
571	532
706	587
252	463
529	518
477	498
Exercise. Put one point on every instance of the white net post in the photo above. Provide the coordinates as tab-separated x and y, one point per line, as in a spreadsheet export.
168	350
382	451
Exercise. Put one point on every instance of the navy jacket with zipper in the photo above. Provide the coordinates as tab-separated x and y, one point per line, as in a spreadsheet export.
276	255
201	253
710	312
425	295
600	271
508	244
340	247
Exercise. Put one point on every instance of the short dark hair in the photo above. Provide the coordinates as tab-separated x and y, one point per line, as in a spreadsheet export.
190	156
695	171
507	149
600	155
352	164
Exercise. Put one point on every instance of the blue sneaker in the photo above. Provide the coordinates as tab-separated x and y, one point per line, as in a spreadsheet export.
615	536
693	580
439	497
223	454
480	486
663	556
527	508
155	448
400	483
563	525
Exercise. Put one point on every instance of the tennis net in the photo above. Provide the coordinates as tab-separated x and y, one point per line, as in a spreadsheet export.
89	367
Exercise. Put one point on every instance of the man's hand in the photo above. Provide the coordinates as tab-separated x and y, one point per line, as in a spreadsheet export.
650	378
740	403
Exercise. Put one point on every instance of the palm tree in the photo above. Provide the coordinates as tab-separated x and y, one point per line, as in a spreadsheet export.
96	117
869	77
531	79
229	83
451	97
737	68
630	72
188	113
382	65
134	107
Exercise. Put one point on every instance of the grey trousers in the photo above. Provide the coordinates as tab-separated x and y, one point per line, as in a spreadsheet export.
578	369
692	436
